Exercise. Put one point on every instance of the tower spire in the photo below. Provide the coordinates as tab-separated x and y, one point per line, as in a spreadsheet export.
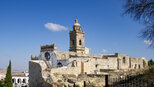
76	25
76	20
77	38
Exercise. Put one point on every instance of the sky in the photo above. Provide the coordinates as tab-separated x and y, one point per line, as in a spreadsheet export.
25	25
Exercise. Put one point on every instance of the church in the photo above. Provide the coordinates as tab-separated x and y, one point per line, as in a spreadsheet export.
78	60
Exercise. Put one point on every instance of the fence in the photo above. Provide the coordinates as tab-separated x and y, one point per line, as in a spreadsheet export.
125	81
129	81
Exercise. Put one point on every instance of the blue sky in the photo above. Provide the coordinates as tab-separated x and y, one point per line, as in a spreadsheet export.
22	28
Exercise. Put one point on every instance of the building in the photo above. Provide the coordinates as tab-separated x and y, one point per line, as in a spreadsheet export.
2	75
78	60
19	79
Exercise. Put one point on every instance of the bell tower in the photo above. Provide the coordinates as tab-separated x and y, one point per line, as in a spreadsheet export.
77	38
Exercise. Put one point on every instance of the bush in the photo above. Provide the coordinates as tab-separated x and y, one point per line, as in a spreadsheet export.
150	62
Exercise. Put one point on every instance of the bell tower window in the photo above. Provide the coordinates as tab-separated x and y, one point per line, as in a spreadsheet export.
73	42
80	43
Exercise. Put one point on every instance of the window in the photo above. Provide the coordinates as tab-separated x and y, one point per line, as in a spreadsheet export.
13	80
129	62
139	66
24	81
135	66
73	65
59	64
124	59
144	63
19	80
47	56
80	42
73	42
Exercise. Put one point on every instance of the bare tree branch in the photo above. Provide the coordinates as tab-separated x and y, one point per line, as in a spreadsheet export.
143	11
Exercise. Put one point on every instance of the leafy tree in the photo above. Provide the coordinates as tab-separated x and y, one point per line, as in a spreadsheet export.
142	11
150	62
8	78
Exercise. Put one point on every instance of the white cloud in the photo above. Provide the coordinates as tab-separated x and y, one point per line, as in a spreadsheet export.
55	27
148	42
104	51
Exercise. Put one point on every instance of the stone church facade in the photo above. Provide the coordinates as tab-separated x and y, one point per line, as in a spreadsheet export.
78	60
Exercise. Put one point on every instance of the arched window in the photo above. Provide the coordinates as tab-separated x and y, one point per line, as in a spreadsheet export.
47	55
24	81
80	43
13	81
124	59
59	64
19	80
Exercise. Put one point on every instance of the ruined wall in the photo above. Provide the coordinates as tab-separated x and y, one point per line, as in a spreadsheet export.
127	62
36	74
138	63
109	63
40	75
76	67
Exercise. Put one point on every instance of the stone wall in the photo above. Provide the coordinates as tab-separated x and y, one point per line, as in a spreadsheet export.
40	75
36	74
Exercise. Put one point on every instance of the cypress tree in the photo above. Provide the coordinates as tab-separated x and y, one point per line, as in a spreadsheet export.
1	85
8	78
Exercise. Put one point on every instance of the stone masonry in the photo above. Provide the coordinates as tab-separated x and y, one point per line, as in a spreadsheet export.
56	67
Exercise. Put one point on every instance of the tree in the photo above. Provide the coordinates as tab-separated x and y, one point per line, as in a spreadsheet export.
150	62
142	11
1	85
8	78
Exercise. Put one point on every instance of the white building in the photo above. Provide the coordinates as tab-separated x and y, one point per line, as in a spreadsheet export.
2	77
20	80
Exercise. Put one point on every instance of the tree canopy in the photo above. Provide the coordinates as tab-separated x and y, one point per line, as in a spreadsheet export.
142	11
1	85
150	62
8	78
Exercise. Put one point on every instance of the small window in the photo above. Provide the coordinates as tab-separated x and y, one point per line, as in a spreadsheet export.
76	64
135	66
24	80
59	64
19	80
80	43
144	63
124	59
129	62
73	65
139	66
13	81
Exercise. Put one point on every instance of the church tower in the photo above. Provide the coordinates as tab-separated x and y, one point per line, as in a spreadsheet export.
77	38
